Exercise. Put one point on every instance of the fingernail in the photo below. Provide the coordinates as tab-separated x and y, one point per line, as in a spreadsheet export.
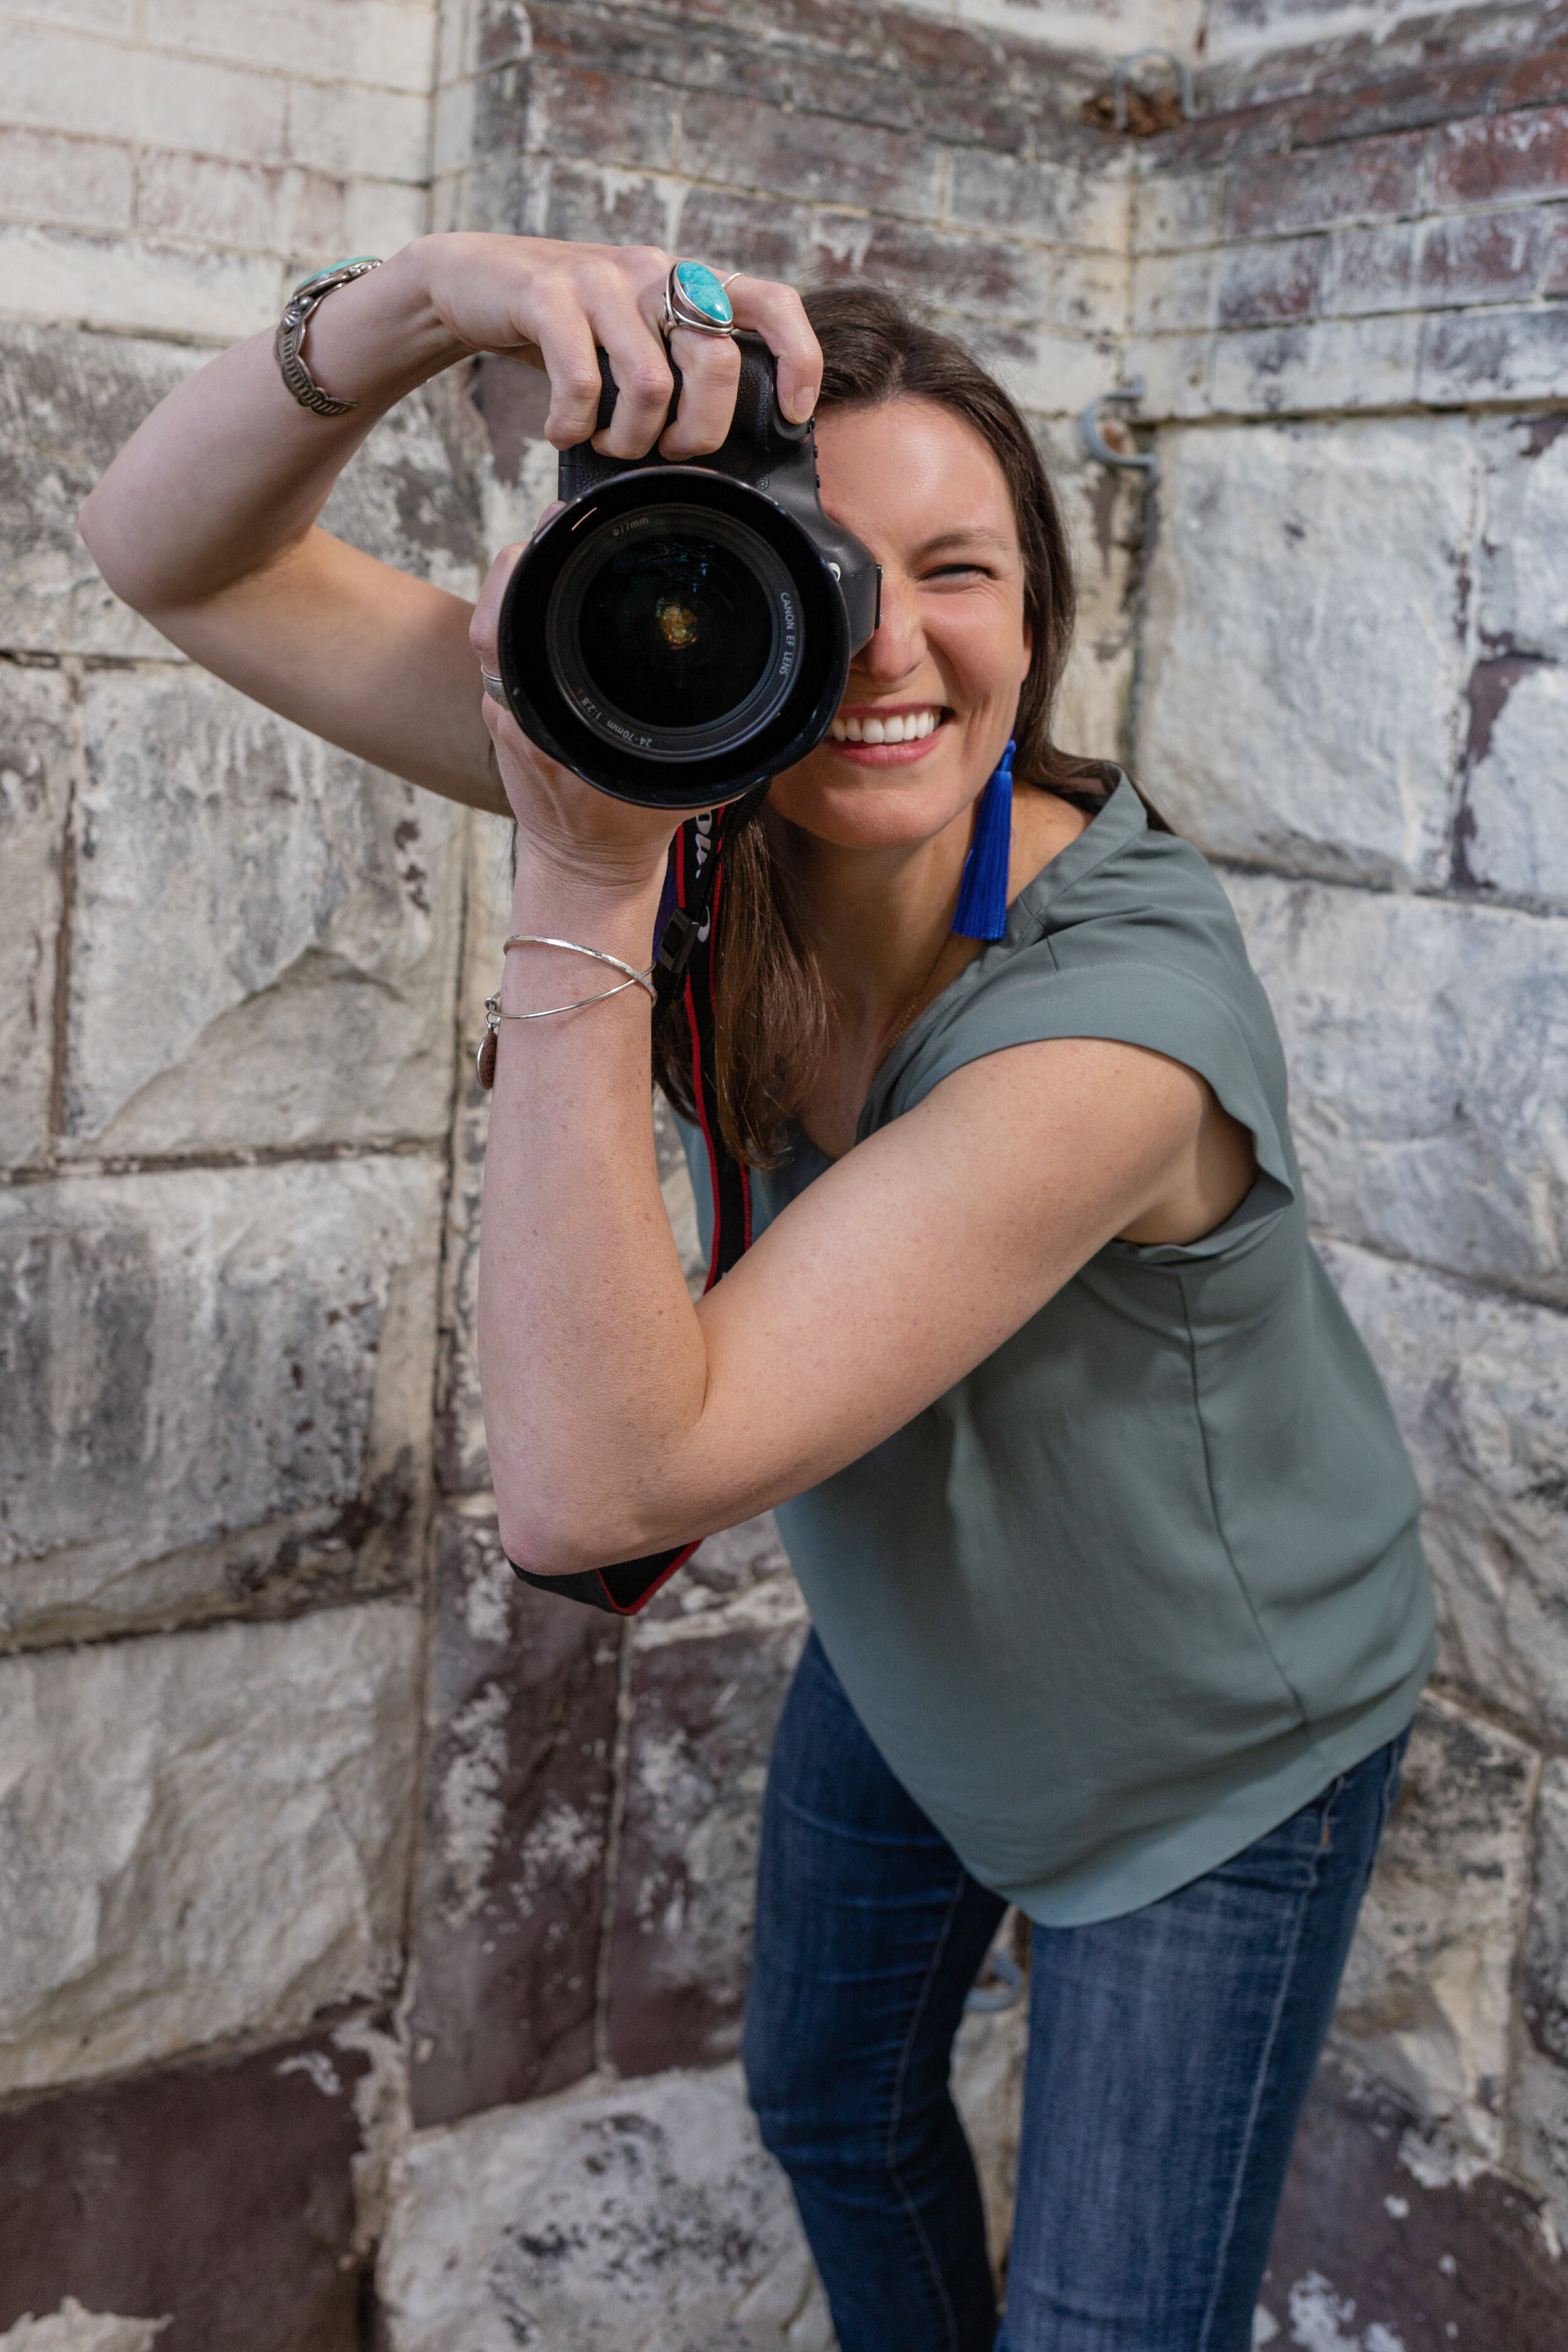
801	405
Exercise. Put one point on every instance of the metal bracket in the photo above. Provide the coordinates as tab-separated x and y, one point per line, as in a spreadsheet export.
1141	462
1118	83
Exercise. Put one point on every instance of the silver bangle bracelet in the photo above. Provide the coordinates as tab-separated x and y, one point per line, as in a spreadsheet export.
485	1060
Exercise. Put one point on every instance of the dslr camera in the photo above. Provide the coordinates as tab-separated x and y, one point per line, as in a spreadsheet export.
679	634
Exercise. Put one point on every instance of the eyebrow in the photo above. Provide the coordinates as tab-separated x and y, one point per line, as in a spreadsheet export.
970	535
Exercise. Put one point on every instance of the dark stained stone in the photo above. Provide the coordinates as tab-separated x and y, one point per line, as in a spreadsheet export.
516	1816
1432	2267
704	1709
218	2192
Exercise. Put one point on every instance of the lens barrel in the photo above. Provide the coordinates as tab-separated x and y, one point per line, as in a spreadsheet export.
675	637
680	632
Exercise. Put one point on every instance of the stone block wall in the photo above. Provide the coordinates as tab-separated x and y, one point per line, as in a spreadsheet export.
381	1929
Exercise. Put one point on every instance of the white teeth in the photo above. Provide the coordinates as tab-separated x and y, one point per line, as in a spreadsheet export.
912	727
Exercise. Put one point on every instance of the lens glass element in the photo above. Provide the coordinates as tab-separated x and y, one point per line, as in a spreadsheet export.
676	630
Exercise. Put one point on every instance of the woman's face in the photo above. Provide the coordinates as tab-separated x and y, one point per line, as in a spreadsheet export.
943	673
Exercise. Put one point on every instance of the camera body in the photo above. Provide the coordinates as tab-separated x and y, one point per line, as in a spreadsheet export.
680	632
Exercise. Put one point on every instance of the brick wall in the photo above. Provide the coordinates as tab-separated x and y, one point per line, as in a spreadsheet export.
367	1909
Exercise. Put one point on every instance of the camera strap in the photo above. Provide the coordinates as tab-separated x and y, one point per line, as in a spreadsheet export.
685	965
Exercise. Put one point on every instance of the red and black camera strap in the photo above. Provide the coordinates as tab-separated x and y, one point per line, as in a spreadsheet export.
685	964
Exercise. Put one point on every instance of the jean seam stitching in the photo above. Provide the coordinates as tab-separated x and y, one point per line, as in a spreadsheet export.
1248	2135
911	2211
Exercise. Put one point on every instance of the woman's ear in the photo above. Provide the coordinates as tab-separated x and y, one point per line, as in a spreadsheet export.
1028	654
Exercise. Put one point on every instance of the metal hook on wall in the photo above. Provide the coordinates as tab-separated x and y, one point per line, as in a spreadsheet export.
1118	83
1142	462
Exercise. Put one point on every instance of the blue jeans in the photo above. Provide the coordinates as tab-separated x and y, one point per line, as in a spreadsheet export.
1170	2053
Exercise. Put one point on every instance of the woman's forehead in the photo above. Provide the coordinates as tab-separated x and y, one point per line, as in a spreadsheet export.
925	471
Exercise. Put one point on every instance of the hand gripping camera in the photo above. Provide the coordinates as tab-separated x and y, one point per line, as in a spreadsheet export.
681	632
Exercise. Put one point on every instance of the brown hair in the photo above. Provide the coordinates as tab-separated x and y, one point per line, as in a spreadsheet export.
771	1015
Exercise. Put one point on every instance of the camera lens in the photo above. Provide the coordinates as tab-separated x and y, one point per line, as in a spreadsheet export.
676	631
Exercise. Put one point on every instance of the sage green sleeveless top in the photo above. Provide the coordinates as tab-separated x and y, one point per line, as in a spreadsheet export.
1148	1579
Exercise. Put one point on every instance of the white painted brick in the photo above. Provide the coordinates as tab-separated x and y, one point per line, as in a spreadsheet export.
203	200
1173	212
664	2218
110	16
1054	375
1304	662
205	1833
62	80
78	182
135	285
1173	292
1516	801
1480	1386
1424	1040
1332	363
387	44
1111	28
216	1377
1056	204
1175	370
34	782
452	126
1090	293
1427	1996
457	40
374	134
379	217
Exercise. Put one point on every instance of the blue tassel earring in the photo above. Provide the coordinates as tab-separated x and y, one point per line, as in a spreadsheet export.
983	894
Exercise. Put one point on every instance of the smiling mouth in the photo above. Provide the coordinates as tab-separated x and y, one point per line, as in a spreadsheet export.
886	726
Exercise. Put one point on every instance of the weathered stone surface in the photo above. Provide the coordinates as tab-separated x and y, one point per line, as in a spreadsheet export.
68	402
510	1892
205	1832
302	996
1426	2001
745	1564
1539	2101
35	790
1480	1387
215	2198
1523	590
1300	705
1513	827
217	1391
648	2215
1546	1946
1418	1035
1375	2251
705	1698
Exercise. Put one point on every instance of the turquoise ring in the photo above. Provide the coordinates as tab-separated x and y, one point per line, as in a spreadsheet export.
694	296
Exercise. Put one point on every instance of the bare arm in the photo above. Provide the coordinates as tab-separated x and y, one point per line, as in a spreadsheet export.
206	520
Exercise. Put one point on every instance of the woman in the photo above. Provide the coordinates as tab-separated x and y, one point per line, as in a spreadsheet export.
1106	1530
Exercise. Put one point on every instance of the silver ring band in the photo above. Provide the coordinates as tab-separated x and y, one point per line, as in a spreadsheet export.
495	689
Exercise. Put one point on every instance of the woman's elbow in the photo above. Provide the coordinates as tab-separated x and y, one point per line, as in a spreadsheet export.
545	1538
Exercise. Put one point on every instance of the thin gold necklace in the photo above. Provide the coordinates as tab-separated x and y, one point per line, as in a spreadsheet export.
910	1008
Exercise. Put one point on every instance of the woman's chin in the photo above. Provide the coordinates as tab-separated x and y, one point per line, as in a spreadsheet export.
870	808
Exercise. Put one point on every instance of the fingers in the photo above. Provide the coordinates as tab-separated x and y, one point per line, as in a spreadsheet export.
486	618
778	315
709	372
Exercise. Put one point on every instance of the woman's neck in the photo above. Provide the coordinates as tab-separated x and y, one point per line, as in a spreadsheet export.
879	921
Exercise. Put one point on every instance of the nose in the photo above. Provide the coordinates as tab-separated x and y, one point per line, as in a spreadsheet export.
899	644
